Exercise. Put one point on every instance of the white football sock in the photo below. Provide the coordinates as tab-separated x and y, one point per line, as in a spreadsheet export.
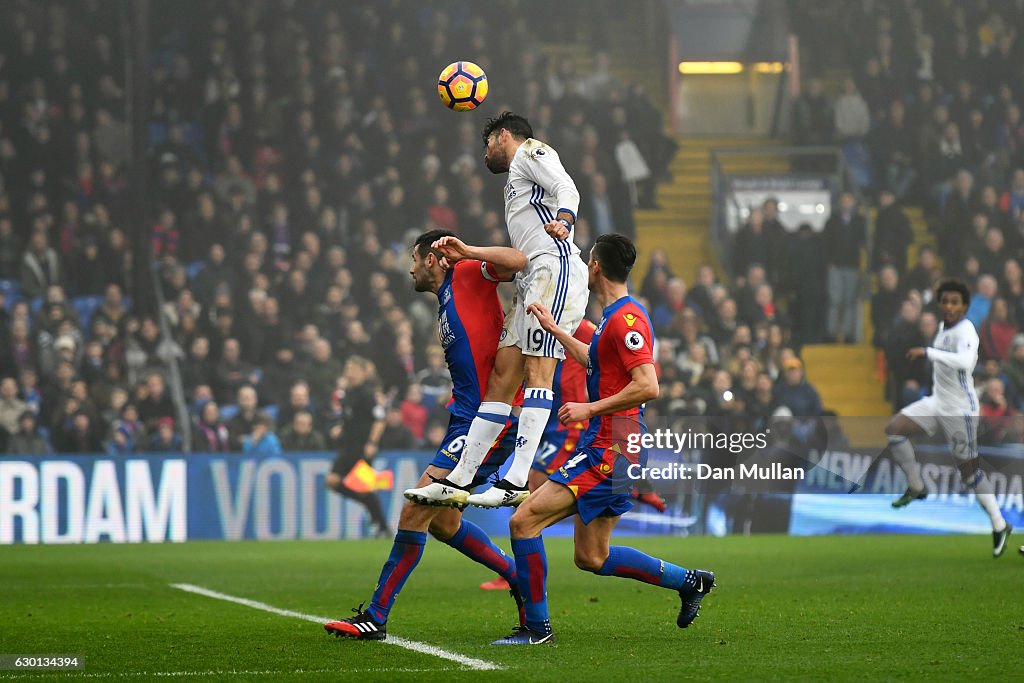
984	492
490	419
532	420
903	453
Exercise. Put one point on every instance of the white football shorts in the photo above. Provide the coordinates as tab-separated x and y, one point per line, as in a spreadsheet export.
959	425
558	282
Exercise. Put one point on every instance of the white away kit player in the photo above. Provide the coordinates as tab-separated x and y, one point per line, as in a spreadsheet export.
953	407
541	202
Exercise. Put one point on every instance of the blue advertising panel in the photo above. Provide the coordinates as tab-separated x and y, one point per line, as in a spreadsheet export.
822	504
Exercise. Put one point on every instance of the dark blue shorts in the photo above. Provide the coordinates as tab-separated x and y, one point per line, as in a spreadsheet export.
448	454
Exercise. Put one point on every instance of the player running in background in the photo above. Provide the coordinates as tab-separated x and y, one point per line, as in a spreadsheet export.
593	484
539	197
952	407
469	323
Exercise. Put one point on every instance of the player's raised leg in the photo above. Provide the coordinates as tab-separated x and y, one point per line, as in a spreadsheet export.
898	432
491	418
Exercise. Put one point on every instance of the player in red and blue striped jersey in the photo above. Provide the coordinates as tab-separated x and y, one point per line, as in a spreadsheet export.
593	484
470	320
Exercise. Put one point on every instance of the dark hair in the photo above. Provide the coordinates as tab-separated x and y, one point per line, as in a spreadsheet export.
515	124
616	254
954	286
423	242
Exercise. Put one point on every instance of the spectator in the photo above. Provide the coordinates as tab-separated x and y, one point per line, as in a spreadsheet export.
758	243
262	442
893	234
166	439
434	381
997	332
241	424
127	434
809	283
211	434
11	407
1013	367
299	400
885	306
397	436
157	403
924	276
796	393
852	118
813	118
231	373
28	440
40	267
11	251
322	372
77	434
995	413
892	147
414	413
845	238
674	303
299	434
981	301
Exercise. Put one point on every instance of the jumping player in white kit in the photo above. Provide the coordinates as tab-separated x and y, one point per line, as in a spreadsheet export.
952	407
541	202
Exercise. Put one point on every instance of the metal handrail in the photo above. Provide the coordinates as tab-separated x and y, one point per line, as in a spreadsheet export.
169	351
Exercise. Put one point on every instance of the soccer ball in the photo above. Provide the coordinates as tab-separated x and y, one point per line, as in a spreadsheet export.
462	86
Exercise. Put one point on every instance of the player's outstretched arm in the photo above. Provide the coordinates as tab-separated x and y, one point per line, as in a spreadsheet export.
643	387
958	360
505	261
579	351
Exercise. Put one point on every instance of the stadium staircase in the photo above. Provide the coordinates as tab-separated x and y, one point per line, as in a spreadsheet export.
681	223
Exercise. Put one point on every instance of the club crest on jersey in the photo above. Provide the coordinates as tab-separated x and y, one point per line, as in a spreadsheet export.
504	333
444	331
629	318
634	340
446	297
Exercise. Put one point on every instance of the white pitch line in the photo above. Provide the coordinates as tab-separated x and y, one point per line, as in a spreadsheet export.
205	674
423	648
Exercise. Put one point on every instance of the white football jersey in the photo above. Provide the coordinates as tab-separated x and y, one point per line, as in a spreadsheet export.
954	355
537	188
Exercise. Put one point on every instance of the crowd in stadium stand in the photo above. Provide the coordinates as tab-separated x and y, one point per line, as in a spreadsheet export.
296	147
930	115
294	150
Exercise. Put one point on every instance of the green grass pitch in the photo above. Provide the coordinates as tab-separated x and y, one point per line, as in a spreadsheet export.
822	608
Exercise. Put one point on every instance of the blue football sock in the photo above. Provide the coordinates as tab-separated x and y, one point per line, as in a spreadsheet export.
630	563
405	555
532	568
474	543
